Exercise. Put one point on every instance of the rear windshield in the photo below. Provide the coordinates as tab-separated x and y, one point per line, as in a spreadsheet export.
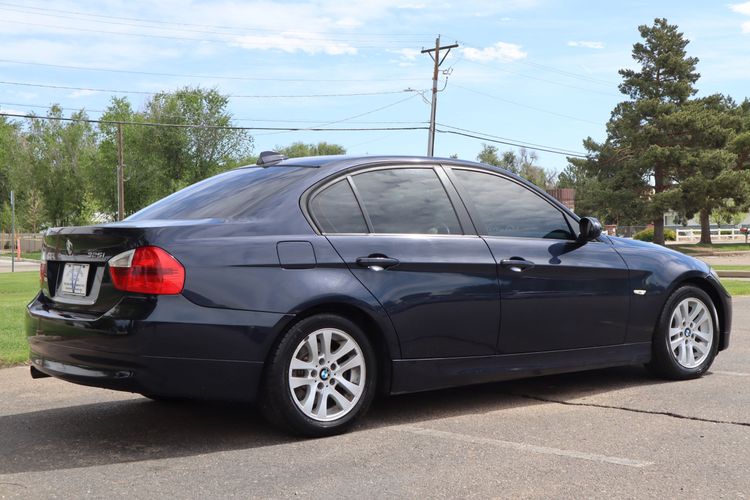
233	195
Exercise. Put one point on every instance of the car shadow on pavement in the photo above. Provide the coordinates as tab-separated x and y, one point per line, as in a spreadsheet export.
139	429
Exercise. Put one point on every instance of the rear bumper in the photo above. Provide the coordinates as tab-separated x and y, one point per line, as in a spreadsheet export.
173	348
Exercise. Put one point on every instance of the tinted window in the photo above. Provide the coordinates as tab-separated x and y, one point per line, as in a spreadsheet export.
407	201
509	209
336	210
237	194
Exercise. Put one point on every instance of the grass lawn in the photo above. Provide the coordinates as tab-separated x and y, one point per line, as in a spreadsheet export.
732	268
715	248
736	287
16	290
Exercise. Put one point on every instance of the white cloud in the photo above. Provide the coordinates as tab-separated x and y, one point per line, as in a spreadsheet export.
501	51
746	27
82	93
586	44
741	8
408	54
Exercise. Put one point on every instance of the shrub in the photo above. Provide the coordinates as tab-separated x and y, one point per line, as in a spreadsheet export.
648	235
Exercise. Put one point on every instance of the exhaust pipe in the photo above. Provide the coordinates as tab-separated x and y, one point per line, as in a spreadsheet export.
38	373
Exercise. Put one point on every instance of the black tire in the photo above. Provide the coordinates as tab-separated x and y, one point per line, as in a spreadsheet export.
664	362
277	401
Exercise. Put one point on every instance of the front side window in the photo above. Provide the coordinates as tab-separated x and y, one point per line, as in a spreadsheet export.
406	201
506	208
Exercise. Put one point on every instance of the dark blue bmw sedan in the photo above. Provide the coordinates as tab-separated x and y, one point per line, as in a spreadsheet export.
310	284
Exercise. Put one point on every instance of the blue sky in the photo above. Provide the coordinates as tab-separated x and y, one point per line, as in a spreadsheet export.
542	72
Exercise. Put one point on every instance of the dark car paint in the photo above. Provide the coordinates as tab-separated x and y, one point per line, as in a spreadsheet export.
247	281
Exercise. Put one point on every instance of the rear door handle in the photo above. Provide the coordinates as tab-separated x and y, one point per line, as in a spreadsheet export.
376	262
517	264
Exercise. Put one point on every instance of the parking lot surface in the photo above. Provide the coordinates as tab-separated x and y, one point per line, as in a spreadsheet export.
606	433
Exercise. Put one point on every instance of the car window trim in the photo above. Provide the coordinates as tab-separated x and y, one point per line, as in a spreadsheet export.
471	208
362	207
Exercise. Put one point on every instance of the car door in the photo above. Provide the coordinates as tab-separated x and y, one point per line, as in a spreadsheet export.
398	231
555	292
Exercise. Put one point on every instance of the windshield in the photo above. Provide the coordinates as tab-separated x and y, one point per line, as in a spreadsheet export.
234	195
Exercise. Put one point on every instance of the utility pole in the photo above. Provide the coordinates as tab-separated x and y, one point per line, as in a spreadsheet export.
12	232
120	175
438	61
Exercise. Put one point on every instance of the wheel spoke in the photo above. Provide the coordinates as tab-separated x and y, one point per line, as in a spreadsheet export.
322	410
343	350
295	382
704	336
340	400
352	362
698	315
689	355
298	364
701	348
312	346
325	341
351	387
676	342
307	404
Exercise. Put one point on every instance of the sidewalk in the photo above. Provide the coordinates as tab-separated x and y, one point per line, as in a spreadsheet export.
21	266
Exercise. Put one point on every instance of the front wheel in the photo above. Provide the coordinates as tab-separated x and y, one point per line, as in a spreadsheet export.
320	378
686	340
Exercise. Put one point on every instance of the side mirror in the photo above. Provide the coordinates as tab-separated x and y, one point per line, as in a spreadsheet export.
590	229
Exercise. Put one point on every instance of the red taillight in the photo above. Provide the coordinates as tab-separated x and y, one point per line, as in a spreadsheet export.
147	270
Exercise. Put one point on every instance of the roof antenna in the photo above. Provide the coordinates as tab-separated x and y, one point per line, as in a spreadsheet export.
270	158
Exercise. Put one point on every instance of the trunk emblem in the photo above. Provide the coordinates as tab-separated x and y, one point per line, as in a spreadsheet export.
69	247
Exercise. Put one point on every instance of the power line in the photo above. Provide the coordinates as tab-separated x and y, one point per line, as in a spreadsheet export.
244	29
259	120
143	92
237	31
508	143
502	99
518	142
214	77
553	82
378	45
483	137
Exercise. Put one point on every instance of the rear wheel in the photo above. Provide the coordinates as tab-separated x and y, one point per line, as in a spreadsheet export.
320	378
686	340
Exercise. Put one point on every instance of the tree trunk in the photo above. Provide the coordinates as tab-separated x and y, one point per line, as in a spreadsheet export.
659	219
659	230
705	227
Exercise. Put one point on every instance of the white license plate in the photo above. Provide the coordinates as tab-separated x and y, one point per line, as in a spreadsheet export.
74	279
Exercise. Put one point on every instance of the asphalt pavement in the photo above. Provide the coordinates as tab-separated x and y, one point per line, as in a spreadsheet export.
612	433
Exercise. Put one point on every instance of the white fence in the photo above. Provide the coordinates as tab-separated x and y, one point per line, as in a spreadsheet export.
717	235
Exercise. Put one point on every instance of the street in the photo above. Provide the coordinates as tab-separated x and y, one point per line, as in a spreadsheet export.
608	433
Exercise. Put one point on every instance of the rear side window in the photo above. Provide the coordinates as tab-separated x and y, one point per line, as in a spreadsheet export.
505	208
336	210
406	201
238	194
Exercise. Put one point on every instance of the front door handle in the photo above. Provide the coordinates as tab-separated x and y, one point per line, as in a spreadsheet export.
517	264
376	262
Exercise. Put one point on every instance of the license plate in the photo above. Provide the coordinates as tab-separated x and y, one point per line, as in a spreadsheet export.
74	279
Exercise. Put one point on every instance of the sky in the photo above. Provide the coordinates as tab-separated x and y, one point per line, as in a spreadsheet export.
538	72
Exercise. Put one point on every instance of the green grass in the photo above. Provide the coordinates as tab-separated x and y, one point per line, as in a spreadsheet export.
731	268
736	287
16	290
714	248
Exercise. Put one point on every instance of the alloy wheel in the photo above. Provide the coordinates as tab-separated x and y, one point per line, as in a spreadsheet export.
327	374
